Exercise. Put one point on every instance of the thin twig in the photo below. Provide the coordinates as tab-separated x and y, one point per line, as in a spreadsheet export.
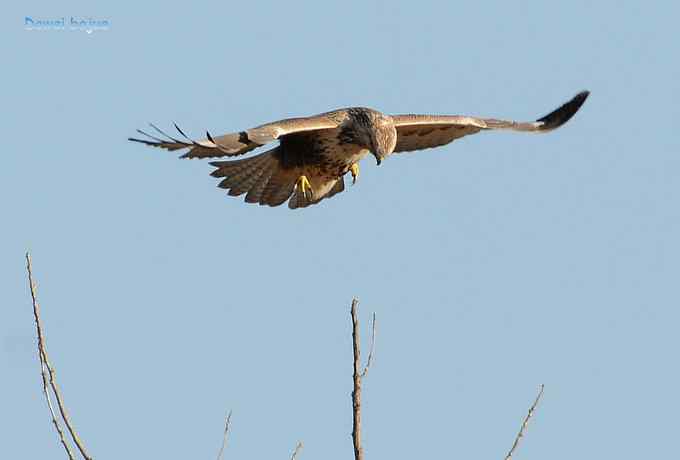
224	438
45	364
524	424
297	450
43	367
370	353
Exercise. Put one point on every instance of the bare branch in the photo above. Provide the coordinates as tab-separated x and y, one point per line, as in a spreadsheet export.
371	350
45	365
297	450
358	374
224	438
524	424
51	389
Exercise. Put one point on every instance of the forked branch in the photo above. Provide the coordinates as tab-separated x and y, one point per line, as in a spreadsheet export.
45	365
357	377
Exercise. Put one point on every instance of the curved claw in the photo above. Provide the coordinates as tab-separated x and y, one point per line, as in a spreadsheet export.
304	185
354	169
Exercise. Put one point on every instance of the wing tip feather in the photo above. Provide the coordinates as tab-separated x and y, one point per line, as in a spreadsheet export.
563	113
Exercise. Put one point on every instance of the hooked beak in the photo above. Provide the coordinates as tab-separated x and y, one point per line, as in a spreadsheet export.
378	158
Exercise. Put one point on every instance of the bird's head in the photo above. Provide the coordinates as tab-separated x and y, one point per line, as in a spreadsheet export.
384	138
376	132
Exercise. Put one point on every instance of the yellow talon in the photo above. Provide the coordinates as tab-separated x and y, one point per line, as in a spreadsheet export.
304	185
354	169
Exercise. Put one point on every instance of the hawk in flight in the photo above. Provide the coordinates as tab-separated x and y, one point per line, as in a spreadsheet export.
315	153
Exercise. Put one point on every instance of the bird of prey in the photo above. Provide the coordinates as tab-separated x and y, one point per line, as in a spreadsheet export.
315	153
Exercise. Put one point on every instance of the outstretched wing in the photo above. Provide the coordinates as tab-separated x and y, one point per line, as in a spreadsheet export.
234	144
416	132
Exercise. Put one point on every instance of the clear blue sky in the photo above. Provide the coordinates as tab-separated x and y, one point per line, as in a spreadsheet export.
497	263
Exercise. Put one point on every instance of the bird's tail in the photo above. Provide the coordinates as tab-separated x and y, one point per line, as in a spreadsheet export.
260	177
265	181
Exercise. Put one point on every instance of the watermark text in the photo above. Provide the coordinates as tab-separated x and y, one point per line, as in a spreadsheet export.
86	24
